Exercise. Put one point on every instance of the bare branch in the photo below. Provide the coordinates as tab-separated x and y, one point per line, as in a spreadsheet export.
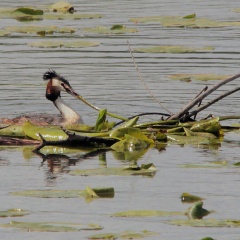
199	109
202	96
144	83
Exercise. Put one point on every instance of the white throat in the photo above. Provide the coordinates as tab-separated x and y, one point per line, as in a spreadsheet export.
69	115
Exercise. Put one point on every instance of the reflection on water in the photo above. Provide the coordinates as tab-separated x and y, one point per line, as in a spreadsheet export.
105	76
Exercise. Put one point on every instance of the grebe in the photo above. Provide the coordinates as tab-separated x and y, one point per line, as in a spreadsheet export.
55	85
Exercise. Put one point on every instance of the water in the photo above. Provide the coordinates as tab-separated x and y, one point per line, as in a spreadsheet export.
105	76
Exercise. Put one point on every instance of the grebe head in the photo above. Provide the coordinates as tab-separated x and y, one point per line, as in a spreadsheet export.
57	84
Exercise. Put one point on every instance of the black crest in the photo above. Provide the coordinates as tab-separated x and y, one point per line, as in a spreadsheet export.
52	74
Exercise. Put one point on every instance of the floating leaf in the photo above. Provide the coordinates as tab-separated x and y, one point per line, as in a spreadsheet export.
189	198
80	44
14	212
197	211
93	192
195	140
51	226
210	126
130	143
124	235
150	171
62	6
29	11
101	119
207	135
117	27
40	30
205	223
13	131
146	213
4	33
48	133
69	44
74	16
105	30
46	44
200	77
172	49
190	16
189	21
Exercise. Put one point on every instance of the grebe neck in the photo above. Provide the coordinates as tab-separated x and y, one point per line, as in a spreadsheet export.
69	115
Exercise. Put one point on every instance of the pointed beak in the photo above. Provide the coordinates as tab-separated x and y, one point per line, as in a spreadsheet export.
70	90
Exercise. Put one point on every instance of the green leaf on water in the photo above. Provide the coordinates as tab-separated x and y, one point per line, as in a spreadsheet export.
190	16
197	211
205	223
199	77
62	6
4	33
150	170
131	143
12	131
88	192
48	133
117	27
172	49
189	21
124	235
68	16
51	226
29	11
189	198
40	30
209	126
68	44
105	30
146	213
101	119
14	212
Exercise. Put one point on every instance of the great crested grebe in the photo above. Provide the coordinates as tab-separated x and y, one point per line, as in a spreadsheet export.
55	85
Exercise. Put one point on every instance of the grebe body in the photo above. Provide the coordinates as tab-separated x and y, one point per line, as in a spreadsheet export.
56	84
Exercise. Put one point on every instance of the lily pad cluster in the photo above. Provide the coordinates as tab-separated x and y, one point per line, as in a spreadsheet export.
61	10
188	21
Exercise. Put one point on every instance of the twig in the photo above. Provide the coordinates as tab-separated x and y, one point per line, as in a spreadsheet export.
144	83
202	96
199	109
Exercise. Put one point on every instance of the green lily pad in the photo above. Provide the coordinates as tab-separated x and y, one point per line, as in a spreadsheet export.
197	211
62	6
205	223
172	49
189	21
199	77
115	30
189	198
68	16
87	193
4	33
124	235
69	44
28	11
14	212
48	133
209	126
146	213
13	131
40	30
194	140
51	226
146	170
